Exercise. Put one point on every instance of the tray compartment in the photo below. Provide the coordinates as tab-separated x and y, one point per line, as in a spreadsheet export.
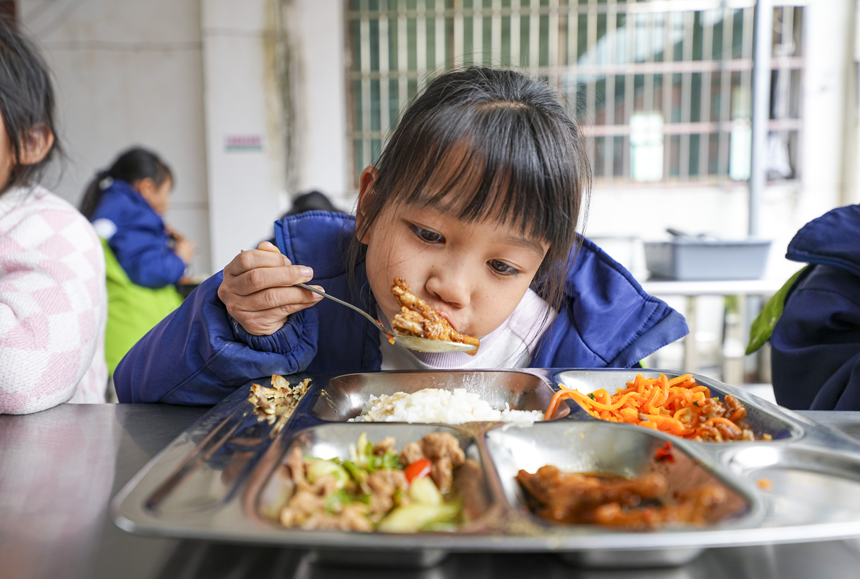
333	440
604	448
760	418
803	485
223	447
344	396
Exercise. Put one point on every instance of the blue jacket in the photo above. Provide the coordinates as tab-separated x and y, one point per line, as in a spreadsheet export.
816	342
199	354
137	238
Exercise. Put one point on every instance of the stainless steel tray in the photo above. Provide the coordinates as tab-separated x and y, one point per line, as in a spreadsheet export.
219	479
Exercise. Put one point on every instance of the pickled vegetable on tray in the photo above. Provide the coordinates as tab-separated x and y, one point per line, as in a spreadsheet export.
378	489
679	406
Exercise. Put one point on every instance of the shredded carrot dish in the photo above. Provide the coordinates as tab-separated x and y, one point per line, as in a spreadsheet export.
679	406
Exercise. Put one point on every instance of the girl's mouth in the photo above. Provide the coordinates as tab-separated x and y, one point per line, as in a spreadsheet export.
448	319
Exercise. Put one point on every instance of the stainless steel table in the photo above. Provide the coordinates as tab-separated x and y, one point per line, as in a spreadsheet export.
60	468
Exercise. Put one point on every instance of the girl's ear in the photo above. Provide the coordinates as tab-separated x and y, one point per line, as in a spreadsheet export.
146	187
36	144
365	192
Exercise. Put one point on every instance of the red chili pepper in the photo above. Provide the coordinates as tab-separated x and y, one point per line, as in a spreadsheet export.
418	469
664	453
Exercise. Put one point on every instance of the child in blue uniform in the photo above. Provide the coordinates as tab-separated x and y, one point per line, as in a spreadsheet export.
144	258
816	341
475	202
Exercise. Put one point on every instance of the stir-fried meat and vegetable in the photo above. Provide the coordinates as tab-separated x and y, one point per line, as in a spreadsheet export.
417	318
378	489
641	503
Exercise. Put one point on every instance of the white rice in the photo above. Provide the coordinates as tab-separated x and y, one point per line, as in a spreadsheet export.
446	406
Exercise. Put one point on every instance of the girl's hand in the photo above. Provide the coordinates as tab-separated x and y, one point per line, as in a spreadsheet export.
257	289
185	249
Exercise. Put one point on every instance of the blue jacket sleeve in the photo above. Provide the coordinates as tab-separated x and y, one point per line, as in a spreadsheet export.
142	251
199	354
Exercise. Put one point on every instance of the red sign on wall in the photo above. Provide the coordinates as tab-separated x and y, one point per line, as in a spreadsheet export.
239	143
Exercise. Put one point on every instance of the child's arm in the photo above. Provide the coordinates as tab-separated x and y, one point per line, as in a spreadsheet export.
143	253
199	354
51	307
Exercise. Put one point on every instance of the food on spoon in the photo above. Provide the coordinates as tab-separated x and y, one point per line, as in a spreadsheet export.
679	406
435	405
379	489
637	504
417	318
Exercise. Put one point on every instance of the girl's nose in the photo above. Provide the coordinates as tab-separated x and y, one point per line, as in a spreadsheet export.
450	284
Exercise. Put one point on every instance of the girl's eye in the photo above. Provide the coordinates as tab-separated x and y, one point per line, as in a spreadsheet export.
427	236
502	268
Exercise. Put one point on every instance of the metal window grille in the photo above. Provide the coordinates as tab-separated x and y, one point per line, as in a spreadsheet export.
661	88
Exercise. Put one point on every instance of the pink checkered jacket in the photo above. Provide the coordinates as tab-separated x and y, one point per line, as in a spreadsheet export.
53	304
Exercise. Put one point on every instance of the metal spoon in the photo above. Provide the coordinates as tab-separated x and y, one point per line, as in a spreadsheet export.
410	342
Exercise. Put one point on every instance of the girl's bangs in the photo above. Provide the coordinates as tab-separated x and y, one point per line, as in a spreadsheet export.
478	171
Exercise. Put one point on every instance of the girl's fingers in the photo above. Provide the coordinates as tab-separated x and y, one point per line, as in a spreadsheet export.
255	259
258	319
289	299
268	246
280	297
261	279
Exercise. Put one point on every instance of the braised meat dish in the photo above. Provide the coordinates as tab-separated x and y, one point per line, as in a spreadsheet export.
417	318
635	504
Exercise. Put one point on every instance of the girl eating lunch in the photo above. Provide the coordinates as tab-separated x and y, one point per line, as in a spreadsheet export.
474	203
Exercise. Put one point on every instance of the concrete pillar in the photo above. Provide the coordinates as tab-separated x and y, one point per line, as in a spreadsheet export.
318	91
246	122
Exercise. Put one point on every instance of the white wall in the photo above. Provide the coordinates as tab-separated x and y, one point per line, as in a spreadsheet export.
126	73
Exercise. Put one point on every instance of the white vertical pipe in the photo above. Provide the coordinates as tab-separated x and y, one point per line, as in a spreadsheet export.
496	34
458	33
384	73
515	34
760	110
421	44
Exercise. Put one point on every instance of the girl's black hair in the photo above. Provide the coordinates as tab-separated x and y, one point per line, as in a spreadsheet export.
131	166
26	101
490	144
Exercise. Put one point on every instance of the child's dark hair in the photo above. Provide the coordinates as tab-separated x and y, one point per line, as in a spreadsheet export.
131	166
26	101
504	144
